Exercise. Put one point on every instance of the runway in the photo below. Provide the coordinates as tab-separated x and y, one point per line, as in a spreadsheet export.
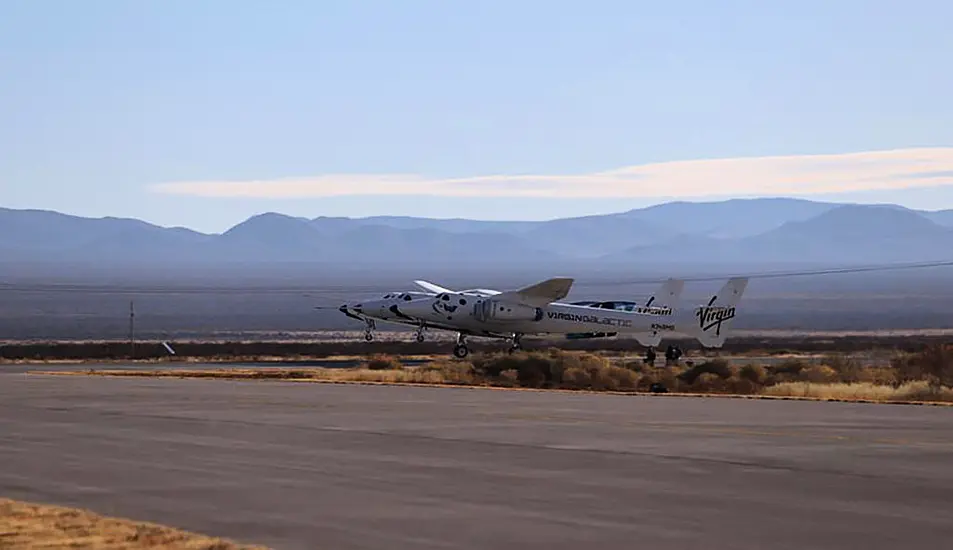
295	465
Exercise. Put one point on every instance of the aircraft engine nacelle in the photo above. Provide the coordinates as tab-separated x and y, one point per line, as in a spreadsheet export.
505	311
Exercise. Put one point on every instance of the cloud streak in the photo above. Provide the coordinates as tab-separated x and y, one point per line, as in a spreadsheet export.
772	176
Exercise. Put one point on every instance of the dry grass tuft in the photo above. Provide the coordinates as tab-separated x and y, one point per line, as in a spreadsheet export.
383	362
862	391
924	375
27	525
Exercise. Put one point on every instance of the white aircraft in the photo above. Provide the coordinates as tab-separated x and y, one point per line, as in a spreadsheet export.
387	309
668	296
536	310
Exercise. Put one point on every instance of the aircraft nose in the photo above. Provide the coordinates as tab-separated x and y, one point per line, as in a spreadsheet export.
348	309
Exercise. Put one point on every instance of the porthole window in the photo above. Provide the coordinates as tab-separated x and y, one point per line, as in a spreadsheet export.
463	302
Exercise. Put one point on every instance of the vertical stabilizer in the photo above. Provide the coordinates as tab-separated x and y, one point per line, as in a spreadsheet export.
712	322
667	295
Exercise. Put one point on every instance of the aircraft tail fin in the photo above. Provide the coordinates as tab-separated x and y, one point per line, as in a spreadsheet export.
662	303
712	321
667	295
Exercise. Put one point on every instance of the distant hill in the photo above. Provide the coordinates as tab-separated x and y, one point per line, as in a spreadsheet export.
731	231
733	218
852	234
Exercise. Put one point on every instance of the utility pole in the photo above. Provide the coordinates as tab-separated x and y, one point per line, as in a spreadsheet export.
132	330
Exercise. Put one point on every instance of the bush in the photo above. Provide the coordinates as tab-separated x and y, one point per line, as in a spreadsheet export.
707	382
743	386
455	372
613	378
790	368
593	372
755	374
818	374
665	377
577	378
846	368
934	365
718	367
383	362
539	369
509	378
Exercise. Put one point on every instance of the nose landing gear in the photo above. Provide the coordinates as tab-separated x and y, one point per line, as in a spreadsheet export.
461	350
369	330
420	334
517	343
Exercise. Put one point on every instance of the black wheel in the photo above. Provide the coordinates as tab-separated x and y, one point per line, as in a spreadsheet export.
420	338
368	337
460	351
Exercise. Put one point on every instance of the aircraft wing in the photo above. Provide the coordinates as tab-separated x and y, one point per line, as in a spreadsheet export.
540	294
430	287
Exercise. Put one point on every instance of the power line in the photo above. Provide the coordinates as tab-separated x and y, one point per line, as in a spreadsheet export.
313	291
784	274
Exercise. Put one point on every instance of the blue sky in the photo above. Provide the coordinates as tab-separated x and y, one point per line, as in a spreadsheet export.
106	105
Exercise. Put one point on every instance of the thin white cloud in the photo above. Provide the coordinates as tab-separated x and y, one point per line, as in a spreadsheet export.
773	176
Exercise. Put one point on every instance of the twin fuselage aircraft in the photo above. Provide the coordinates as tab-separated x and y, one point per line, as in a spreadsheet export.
537	310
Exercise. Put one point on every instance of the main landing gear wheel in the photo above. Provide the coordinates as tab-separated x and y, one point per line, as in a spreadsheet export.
368	336
420	335
461	350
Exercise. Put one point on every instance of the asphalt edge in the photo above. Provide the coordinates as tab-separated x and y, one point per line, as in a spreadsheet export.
498	388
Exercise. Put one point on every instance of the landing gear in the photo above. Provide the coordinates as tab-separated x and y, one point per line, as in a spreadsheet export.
369	330
517	343
650	356
420	334
461	350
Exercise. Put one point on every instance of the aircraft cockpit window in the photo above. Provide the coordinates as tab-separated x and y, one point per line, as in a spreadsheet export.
445	297
407	297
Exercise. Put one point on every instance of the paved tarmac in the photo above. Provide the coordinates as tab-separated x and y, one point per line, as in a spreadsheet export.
297	465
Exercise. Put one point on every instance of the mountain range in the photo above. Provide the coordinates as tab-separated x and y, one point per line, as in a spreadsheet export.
774	230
